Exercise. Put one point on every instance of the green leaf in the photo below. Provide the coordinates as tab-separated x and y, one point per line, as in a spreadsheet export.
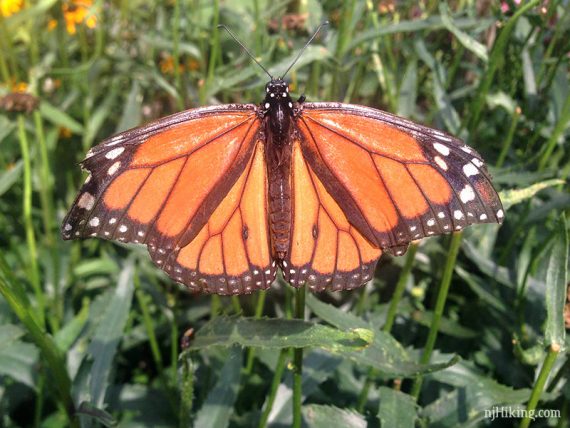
396	409
132	112
516	196
278	333
467	41
218	407
334	316
473	394
447	326
318	415
446	110
6	127
101	113
60	118
384	353
10	176
556	286
431	23
10	333
408	90
18	360
108	335
99	415
65	337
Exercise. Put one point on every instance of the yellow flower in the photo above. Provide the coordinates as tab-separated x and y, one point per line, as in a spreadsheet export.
52	23
64	132
192	65
19	87
77	12
166	65
10	7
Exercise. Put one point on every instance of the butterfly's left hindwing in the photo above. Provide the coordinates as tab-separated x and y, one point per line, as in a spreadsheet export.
326	251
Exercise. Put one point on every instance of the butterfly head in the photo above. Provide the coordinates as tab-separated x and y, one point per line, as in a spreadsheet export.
277	91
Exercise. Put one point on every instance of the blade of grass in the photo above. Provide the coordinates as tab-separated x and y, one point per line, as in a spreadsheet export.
555	135
496	60
439	306
214	53
11	291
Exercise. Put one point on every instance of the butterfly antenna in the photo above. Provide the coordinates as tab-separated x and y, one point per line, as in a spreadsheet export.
305	47
245	49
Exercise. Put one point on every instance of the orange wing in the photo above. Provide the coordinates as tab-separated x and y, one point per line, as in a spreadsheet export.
326	251
173	185
394	180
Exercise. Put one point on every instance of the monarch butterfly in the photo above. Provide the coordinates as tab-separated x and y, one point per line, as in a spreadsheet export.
224	196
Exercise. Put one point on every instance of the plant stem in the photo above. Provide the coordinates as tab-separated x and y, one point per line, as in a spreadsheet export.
279	368
186	391
28	224
258	312
540	382
298	361
176	55
439	306
509	139
555	135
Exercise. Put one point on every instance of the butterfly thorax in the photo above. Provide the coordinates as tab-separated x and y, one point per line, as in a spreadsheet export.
278	118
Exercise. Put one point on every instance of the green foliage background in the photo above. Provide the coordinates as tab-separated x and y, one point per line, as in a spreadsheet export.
91	332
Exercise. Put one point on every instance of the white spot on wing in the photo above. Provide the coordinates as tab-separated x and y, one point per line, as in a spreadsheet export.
112	154
94	222
458	215
477	162
467	194
500	214
440	162
430	222
444	150
86	201
466	149
483	217
469	169
113	168
123	228
67	227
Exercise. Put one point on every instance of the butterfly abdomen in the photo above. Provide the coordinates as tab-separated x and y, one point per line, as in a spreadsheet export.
279	175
